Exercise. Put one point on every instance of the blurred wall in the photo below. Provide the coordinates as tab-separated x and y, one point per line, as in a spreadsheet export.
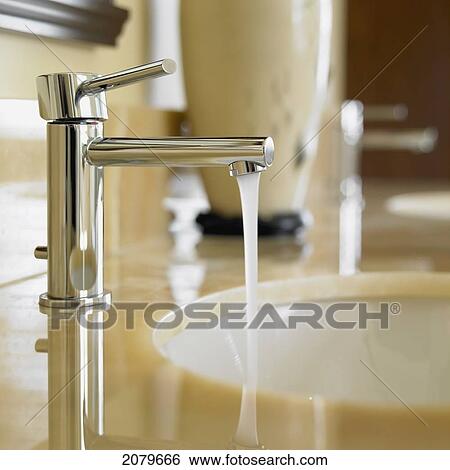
24	57
408	63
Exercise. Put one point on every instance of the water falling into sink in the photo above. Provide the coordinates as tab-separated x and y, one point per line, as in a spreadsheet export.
246	433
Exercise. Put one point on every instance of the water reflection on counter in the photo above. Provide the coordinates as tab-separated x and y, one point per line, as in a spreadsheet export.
123	387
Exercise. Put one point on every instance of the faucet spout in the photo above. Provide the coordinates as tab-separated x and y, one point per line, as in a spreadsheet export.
241	154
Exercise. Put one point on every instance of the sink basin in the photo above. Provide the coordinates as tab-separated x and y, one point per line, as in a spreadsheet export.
426	205
369	388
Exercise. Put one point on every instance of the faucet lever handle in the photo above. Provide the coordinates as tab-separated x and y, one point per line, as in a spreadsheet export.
101	83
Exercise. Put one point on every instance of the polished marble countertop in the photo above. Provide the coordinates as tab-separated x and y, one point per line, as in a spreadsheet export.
136	376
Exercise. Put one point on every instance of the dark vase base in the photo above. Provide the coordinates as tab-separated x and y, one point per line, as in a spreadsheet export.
280	225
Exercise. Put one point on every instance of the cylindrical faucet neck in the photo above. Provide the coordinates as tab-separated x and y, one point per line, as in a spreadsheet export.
241	154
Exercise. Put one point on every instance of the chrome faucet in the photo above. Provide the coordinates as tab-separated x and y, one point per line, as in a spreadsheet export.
74	104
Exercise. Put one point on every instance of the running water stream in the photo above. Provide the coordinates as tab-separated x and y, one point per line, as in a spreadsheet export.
246	433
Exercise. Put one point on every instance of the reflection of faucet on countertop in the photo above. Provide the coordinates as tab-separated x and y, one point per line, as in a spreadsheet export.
186	200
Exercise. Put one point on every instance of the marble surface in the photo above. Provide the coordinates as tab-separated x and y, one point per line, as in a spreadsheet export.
140	386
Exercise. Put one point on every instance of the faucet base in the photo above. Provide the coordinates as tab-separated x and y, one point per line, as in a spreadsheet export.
46	302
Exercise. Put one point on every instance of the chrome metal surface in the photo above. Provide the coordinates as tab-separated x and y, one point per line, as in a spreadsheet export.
40	252
181	152
75	105
47	303
74	213
352	129
413	140
351	200
75	379
80	96
354	138
101	83
244	168
59	98
41	345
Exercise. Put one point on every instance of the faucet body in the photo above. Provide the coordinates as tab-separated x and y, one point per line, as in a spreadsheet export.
75	107
74	217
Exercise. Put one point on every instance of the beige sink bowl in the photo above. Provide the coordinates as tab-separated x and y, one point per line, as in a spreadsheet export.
336	388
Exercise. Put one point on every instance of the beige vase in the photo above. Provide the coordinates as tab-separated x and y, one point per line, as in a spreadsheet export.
258	67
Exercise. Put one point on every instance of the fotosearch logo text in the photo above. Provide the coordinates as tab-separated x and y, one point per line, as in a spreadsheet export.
232	315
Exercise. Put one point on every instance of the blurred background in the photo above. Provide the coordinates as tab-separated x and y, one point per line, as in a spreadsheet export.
387	61
355	93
